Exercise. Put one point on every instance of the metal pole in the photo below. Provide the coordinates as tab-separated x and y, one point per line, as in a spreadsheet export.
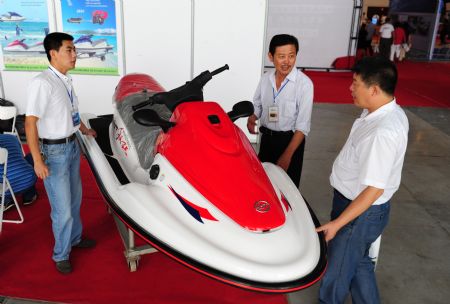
122	34
436	27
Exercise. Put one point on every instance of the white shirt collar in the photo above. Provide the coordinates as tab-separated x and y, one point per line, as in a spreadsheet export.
292	76
380	111
59	74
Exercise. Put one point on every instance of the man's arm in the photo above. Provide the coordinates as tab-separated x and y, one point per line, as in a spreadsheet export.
302	123
360	204
31	132
257	103
285	159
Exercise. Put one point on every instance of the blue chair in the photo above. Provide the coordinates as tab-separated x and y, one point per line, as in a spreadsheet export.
6	187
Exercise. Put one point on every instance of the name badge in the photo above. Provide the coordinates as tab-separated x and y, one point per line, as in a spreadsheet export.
273	114
76	118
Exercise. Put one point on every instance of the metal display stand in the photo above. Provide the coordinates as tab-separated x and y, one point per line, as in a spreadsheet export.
132	253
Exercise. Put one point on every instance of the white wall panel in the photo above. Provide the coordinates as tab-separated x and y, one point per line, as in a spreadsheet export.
321	26
230	32
158	39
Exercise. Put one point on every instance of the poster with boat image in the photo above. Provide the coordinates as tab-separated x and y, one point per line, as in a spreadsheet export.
93	25
23	26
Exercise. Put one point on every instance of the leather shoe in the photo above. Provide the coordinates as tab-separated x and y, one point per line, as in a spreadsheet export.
85	243
29	201
8	204
64	266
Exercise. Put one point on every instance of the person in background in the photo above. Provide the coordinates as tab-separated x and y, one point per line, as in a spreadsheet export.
370	29
406	47
18	30
283	104
444	30
52	118
365	176
386	31
399	38
361	46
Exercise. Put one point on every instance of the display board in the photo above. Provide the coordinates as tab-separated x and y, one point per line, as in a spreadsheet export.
322	27
93	24
23	26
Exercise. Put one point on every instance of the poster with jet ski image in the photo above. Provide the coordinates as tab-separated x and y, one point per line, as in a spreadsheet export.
23	26
92	23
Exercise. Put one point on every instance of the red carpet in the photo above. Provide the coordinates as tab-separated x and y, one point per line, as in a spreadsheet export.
422	84
101	274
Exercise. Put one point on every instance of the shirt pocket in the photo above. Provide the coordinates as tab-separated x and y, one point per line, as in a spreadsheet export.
289	108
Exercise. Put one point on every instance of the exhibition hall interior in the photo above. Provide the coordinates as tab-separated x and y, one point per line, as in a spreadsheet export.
198	151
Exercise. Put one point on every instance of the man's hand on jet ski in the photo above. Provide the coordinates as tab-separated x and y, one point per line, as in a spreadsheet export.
251	124
86	131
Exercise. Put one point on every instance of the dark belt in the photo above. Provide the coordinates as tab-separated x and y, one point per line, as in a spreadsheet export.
59	141
267	131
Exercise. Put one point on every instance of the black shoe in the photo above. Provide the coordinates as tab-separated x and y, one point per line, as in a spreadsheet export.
30	201
85	243
64	266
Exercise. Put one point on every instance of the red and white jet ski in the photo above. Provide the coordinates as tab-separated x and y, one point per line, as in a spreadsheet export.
177	171
19	46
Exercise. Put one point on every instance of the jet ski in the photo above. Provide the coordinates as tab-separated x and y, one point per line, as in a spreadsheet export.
11	17
179	173
88	48
20	47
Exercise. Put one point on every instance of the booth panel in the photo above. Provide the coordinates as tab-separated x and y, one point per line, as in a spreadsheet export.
157	39
322	27
230	32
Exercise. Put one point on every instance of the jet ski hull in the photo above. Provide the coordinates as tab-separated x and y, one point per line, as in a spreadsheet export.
214	246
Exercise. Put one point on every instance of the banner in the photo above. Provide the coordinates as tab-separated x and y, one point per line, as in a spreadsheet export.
93	25
23	26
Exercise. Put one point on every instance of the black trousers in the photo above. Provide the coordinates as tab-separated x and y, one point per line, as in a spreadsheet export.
273	145
385	47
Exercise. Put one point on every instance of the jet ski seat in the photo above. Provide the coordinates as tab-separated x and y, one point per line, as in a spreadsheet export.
143	137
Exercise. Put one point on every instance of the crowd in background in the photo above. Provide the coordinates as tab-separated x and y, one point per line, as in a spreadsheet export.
389	39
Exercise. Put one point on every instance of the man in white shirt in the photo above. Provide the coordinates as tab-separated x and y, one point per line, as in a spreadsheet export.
52	118
386	32
283	103
365	176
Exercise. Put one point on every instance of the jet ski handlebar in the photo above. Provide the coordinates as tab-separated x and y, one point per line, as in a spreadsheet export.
191	91
220	70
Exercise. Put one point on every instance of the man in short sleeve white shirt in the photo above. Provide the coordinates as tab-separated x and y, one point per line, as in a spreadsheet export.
386	32
365	176
283	104
52	118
